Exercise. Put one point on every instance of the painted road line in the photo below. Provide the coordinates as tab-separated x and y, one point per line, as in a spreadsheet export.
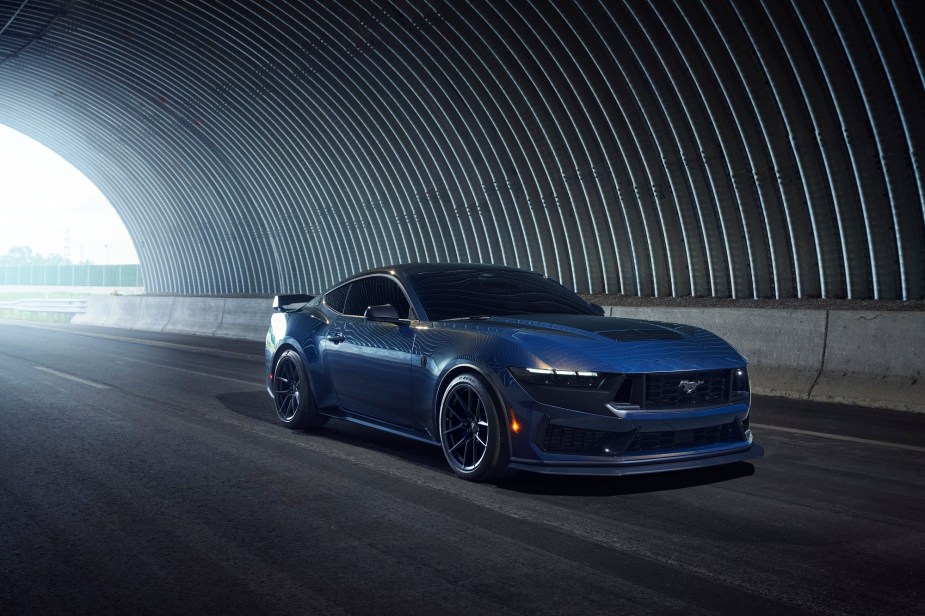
196	372
71	377
839	437
151	343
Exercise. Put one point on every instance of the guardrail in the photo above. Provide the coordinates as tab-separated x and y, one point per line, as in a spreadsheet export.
69	306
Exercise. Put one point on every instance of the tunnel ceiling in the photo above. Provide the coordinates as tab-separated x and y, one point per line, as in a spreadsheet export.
731	149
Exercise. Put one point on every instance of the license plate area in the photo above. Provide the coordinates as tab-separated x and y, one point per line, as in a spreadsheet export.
683	437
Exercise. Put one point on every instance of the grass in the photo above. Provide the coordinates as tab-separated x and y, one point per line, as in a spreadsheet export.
12	296
48	317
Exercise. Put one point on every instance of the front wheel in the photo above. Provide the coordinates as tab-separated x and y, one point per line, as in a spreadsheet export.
471	430
295	406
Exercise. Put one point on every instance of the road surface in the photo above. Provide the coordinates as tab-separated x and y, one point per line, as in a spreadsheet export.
143	473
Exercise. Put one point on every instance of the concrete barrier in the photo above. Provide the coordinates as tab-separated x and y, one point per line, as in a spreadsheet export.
246	319
874	359
784	347
123	311
98	309
195	315
154	314
866	358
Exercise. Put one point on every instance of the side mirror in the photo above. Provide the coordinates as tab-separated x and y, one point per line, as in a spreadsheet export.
290	303
598	309
382	312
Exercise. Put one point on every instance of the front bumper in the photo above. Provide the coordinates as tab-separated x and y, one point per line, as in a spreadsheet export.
615	441
636	466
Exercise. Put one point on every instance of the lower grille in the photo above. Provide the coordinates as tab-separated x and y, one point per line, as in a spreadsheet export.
563	439
683	439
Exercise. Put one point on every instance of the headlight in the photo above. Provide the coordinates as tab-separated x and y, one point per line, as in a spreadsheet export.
740	389
572	389
558	378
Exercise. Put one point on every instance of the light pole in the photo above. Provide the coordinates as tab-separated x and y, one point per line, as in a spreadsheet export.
106	269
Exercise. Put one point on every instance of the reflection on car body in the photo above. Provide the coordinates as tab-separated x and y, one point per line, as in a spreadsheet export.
508	370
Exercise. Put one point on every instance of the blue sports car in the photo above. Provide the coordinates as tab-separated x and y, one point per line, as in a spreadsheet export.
507	370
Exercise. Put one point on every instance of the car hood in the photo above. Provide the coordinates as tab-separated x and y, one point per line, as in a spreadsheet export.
585	342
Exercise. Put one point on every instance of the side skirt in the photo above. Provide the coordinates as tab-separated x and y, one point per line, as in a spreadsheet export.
379	425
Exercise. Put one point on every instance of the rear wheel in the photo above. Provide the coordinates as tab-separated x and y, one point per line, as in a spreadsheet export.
295	406
471	430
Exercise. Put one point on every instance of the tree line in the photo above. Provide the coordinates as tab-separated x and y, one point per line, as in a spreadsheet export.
24	255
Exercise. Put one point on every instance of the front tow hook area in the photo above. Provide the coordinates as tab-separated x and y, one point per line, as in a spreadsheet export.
617	444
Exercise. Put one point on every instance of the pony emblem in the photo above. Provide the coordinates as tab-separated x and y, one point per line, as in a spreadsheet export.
689	386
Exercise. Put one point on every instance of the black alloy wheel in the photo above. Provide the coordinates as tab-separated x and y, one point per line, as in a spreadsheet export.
292	394
471	430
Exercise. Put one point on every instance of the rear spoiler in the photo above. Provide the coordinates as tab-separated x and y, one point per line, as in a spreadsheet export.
291	303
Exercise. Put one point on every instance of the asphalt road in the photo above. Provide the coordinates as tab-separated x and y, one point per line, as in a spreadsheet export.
143	473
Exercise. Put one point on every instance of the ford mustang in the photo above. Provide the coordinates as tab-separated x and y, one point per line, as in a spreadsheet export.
507	370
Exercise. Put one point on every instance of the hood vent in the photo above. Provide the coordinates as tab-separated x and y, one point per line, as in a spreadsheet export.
635	335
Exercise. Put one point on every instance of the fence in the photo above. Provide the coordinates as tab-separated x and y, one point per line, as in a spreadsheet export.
71	275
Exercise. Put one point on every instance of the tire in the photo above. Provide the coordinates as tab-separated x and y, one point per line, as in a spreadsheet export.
295	406
472	431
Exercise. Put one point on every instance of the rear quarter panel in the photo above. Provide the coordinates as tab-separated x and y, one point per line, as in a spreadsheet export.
304	332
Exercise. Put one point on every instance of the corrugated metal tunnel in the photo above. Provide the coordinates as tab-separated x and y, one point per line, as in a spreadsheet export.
739	148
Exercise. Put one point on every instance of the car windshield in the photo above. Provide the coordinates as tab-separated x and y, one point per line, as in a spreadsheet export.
467	293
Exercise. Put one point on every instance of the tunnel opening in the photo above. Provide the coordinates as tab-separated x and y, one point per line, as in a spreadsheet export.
57	228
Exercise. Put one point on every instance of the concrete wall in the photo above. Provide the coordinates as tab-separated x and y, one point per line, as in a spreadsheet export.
245	319
198	315
856	357
866	358
98	311
124	312
874	359
154	314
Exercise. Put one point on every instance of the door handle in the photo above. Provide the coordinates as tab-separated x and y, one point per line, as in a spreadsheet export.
336	338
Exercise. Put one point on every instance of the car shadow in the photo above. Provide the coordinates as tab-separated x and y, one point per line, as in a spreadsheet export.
257	405
563	485
254	404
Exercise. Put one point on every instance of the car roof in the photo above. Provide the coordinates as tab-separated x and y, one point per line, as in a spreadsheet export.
409	269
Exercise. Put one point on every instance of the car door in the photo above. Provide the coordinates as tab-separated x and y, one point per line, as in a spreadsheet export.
369	363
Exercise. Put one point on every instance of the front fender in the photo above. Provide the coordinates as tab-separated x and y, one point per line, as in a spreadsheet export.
445	352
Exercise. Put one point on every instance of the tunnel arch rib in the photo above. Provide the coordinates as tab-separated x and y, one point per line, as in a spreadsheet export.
644	147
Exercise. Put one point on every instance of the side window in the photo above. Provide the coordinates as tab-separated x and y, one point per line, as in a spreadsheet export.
373	291
336	298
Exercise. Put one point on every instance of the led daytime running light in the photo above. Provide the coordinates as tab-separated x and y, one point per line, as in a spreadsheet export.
562	372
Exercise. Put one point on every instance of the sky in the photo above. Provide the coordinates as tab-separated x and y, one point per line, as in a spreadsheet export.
43	198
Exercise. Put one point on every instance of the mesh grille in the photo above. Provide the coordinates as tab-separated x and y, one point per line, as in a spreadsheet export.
673	389
572	440
683	439
563	439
